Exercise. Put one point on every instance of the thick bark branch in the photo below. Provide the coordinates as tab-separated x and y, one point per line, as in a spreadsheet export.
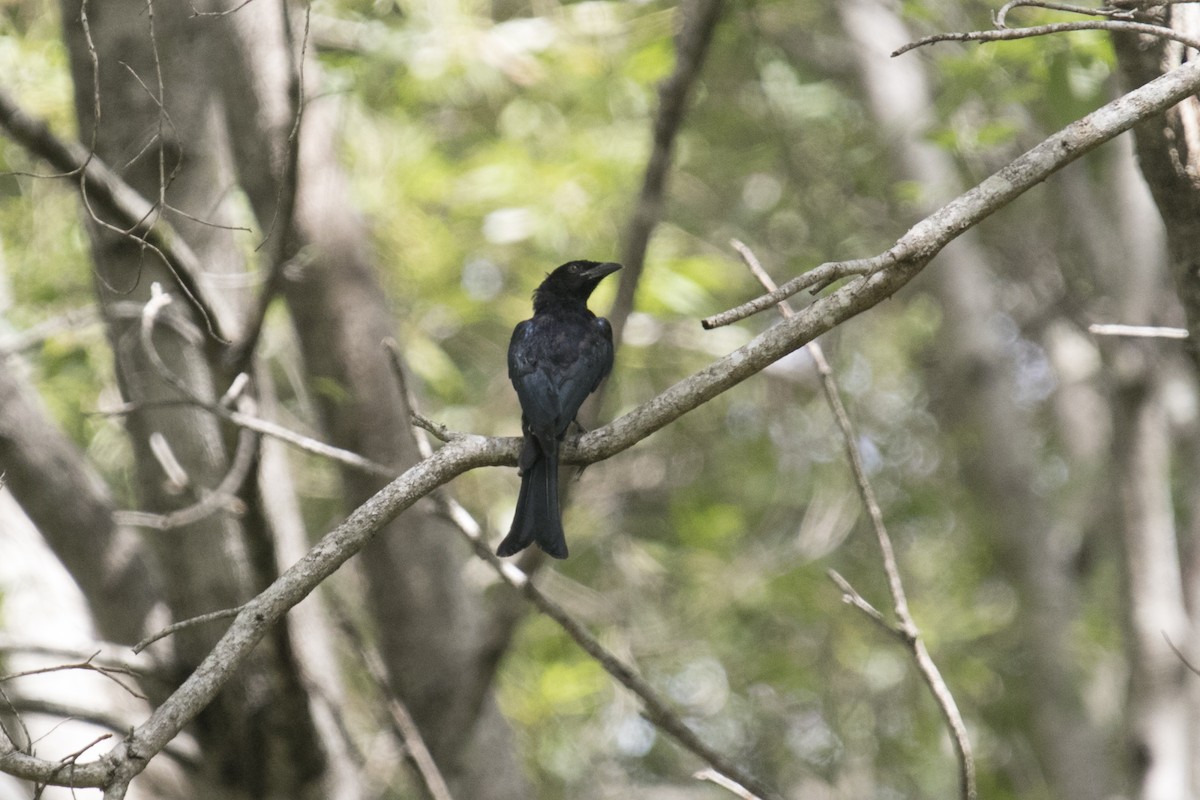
65	498
1167	149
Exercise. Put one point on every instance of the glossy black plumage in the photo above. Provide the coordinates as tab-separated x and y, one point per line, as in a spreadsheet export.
555	360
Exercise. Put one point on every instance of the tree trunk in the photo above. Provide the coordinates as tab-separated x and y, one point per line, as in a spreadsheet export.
1165	739
428	620
73	508
258	737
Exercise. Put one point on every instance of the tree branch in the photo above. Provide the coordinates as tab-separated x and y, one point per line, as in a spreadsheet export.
697	23
100	183
282	224
1009	34
888	271
906	627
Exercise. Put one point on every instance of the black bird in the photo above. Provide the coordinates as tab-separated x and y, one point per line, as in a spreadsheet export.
555	360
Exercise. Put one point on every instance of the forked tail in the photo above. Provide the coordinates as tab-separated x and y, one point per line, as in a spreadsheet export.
538	518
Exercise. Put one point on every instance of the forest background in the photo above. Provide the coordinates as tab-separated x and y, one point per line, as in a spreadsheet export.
1035	473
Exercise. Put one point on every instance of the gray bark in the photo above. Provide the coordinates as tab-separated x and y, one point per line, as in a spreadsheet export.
73	508
1165	738
258	737
1167	150
428	620
1159	703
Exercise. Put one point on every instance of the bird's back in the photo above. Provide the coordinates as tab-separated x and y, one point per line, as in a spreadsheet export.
555	360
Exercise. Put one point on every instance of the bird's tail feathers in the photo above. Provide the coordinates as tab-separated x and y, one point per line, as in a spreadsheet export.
537	518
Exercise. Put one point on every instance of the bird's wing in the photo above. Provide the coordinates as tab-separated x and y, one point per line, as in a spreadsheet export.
592	362
527	369
604	331
521	359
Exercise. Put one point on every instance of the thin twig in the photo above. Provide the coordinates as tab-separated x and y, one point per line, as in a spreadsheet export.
1140	331
112	655
97	182
403	726
851	597
211	501
712	776
110	673
1010	34
175	627
198	13
149	316
1179	654
815	279
657	710
905	627
1001	17
68	761
28	746
267	428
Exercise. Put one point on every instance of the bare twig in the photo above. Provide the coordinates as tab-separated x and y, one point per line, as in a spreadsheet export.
906	627
850	596
1009	34
657	710
1001	17
151	310
100	184
68	761
438	429
198	13
712	776
107	653
1179	654
175	627
815	279
64	711
87	664
273	429
1139	331
402	724
224	495
28	746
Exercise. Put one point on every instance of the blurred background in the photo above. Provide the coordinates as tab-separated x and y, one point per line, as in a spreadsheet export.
1038	480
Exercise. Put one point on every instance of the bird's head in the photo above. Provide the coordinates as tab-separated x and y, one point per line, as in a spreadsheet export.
574	280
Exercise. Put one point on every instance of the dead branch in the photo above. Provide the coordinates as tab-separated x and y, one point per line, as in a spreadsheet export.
905	627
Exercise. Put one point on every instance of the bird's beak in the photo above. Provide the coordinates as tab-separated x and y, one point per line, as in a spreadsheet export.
602	270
